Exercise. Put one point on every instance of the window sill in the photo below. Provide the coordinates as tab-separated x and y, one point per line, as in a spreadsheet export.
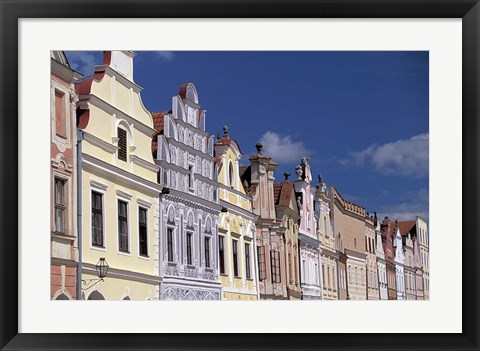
99	248
124	253
144	257
63	235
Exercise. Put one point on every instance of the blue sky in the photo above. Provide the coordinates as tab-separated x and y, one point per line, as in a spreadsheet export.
361	117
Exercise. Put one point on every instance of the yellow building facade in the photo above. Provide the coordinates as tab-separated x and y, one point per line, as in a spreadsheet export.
237	249
119	190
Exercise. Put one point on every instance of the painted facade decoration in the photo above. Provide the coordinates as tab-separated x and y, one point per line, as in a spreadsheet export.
326	236
270	235
418	268
349	223
189	204
310	250
236	231
399	263
287	213
63	175
119	198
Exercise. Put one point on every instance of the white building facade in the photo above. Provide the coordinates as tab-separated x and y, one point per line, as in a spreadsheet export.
189	206
399	265
310	250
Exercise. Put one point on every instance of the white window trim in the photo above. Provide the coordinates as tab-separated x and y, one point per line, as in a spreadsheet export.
101	189
129	224
210	250
187	231
174	245
66	198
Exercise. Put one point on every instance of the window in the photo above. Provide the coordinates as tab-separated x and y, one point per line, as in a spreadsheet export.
190	177
230	174
59	206
60	120
355	242
262	267
221	250
275	264
316	274
122	144
328	276
142	231
207	252
97	219
247	260
189	248
235	257
170	244
122	226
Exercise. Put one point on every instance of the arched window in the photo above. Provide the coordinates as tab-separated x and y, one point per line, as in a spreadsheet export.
231	175
96	296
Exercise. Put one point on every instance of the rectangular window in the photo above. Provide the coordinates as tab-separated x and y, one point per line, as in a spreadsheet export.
190	177
122	226
262	266
60	120
60	208
295	268
235	257
142	231
122	144
221	251
170	244
97	219
275	264
189	248
247	260
207	252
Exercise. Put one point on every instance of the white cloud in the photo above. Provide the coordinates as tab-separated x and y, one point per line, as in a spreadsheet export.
82	61
414	204
405	157
165	55
282	148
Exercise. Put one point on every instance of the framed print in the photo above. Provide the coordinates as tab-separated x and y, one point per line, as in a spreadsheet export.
129	203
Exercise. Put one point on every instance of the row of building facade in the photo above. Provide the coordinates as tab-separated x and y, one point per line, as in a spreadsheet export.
176	216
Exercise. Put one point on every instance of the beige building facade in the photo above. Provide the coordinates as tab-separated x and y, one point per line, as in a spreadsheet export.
119	199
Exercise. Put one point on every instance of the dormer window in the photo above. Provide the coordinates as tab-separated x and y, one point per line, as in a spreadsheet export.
122	144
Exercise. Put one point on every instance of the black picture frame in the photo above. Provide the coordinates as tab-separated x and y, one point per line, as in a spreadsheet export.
11	11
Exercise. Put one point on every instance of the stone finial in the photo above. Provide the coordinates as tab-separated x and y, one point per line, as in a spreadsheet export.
225	131
259	147
286	175
299	172
320	178
305	160
218	136
374	214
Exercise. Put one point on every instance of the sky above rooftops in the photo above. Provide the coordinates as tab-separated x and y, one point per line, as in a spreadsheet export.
361	117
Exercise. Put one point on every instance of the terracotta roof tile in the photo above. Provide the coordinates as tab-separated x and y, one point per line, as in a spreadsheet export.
277	189
406	227
158	124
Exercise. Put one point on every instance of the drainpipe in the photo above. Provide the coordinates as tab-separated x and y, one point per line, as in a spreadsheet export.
79	213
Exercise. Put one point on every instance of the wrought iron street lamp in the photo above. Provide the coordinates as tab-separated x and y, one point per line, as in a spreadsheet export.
102	269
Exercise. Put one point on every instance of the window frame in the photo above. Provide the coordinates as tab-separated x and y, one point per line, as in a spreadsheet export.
248	269
170	243
189	247
127	220
62	207
221	254
140	209
275	266
101	194
207	251
235	263
262	264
